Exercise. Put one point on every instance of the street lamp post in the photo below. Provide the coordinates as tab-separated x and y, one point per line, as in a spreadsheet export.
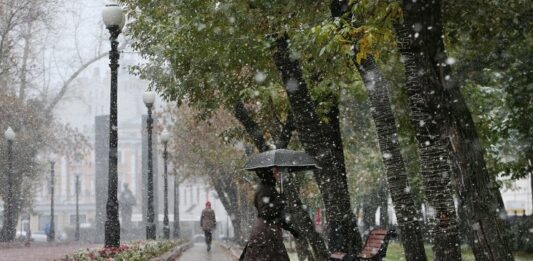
77	233
8	232
114	20
51	233
176	233
28	232
165	136
148	99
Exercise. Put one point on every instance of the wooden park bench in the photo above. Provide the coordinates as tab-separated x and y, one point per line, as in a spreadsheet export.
375	248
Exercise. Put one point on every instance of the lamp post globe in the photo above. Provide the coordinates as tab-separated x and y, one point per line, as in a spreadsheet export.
149	99
9	134
114	20
113	16
165	137
52	157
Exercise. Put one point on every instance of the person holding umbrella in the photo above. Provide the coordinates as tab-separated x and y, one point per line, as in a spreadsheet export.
266	238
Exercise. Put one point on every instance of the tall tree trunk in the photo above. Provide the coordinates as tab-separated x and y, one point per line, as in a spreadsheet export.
300	217
369	212
404	205
383	197
11	211
228	194
478	192
425	102
377	88
305	222
322	141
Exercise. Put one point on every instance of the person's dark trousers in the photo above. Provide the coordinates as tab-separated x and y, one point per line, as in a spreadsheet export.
208	238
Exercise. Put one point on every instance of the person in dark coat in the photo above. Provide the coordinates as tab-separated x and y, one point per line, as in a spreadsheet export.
126	203
266	238
208	222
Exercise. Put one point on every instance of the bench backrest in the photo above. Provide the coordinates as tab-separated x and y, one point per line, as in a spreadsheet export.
376	244
375	247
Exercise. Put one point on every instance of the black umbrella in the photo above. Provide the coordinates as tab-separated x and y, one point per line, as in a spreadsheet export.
286	159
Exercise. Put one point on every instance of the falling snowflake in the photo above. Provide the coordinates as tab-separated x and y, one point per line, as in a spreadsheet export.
292	85
260	77
450	61
476	226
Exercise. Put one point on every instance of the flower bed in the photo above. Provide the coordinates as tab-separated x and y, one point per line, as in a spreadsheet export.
138	250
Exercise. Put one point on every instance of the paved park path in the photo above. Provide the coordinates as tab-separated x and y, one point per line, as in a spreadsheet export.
198	252
41	252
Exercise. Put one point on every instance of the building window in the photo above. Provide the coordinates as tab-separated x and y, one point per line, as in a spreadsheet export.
191	195
83	219
183	195
44	220
73	186
197	195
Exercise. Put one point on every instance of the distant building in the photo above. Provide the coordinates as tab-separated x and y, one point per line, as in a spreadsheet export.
517	198
64	196
194	194
92	99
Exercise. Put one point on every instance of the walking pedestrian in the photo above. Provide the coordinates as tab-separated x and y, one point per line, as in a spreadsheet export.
208	223
47	229
266	238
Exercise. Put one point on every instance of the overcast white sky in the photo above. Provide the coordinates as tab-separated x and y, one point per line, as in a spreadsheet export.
80	25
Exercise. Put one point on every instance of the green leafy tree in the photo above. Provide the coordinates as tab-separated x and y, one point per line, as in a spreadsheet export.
210	152
34	134
423	49
491	62
224	58
361	31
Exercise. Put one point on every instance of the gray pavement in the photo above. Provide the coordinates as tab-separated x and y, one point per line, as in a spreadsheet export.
199	253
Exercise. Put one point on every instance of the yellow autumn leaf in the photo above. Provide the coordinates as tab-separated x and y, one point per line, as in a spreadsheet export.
370	39
346	48
360	56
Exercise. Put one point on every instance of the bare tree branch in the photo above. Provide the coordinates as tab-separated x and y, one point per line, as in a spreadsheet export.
72	77
252	128
286	132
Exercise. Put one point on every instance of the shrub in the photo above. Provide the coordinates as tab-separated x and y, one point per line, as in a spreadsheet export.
134	251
